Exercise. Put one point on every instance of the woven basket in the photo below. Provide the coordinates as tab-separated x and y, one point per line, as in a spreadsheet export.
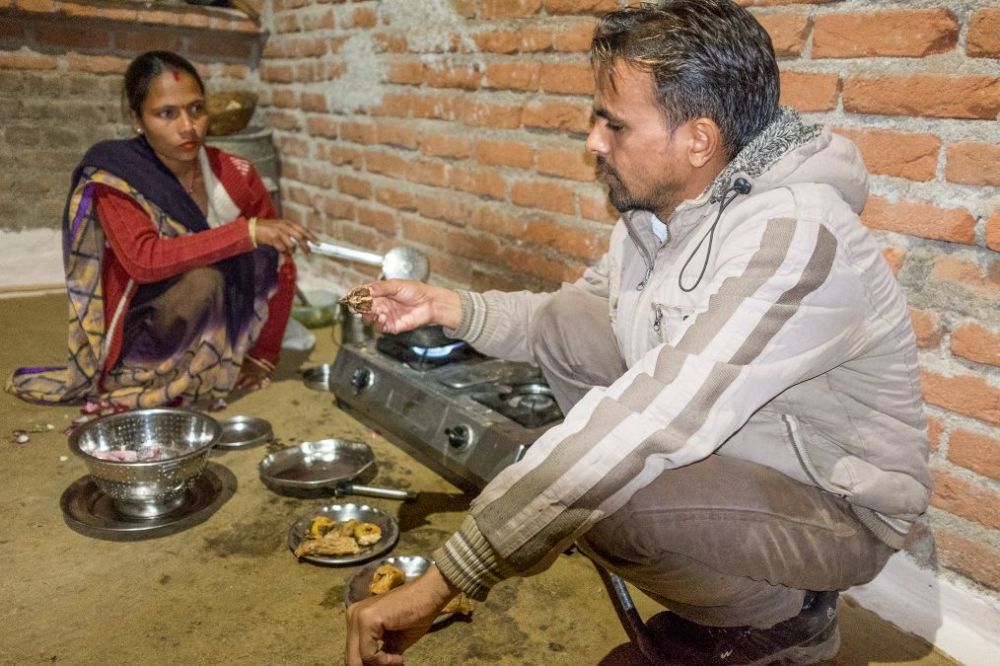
229	112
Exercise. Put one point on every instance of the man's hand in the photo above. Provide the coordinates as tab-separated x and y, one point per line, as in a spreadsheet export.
381	628
402	305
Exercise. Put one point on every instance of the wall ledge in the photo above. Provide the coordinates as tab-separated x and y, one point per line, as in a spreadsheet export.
177	14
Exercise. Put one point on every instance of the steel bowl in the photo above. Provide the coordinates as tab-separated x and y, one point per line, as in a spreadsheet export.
154	487
318	378
243	432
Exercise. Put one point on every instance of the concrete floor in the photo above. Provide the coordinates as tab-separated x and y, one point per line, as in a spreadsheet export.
229	591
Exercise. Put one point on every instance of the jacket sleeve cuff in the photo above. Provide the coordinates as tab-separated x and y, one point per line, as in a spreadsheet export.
473	317
469	562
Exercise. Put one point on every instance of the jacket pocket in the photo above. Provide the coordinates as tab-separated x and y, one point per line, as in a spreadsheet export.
670	322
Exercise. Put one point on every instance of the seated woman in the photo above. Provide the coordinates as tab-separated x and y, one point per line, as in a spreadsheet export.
178	271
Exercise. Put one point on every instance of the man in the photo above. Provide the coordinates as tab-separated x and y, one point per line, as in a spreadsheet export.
743	432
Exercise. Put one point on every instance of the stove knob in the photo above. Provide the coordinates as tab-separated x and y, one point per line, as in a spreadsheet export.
459	436
361	380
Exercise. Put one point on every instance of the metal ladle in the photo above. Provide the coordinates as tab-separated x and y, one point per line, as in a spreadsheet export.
404	263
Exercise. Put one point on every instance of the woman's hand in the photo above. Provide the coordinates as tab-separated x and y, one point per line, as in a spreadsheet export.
402	305
283	235
254	375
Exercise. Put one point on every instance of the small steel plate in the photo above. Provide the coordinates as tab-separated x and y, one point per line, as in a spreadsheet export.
87	510
413	566
243	432
339	513
318	378
316	465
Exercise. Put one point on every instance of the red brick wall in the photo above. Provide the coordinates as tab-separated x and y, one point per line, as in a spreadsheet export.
460	130
61	66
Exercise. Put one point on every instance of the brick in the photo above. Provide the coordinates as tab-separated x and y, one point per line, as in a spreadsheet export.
526	262
964	498
505	9
449	209
363	133
288	22
931	95
341	155
573	37
895	257
240	47
533	39
394	133
908	33
355	187
340	208
428	172
925	220
573	241
974	451
478	181
406	73
25	59
569	79
97	64
395	198
437	144
325	20
993	232
323	126
579	6
973	559
498	41
973	164
361	17
499	221
285	98
968	275
504	153
926	328
574	163
484	114
788	32
314	102
598	208
901	154
318	177
71	37
513	75
558	116
809	91
984	34
384	42
964	394
397	106
276	73
466	77
376	218
386	164
543	196
292	146
934	430
976	343
440	107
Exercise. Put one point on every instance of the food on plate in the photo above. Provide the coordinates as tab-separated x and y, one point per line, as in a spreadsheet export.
385	578
326	536
331	544
358	300
367	533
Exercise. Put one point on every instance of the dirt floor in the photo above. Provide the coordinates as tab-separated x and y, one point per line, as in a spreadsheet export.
228	590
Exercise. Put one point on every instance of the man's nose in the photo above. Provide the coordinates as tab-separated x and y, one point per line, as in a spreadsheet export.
595	141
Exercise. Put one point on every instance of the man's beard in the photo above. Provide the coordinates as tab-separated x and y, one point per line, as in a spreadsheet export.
618	194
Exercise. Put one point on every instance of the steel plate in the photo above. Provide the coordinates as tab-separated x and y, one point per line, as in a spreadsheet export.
316	465
243	432
413	566
340	513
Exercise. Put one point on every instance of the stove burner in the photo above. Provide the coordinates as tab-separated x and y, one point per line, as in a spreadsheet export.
424	358
529	404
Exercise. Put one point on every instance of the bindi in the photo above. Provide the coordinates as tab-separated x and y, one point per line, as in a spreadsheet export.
177	75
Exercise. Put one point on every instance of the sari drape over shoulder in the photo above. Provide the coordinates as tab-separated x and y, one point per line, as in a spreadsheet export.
201	362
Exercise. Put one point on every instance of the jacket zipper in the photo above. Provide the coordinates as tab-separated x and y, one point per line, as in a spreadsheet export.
645	256
792	425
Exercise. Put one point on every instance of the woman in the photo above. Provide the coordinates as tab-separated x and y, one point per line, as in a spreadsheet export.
178	270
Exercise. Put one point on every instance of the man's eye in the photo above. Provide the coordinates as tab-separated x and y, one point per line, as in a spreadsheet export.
615	127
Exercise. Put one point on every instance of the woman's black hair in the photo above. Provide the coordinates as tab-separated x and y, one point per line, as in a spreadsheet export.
146	67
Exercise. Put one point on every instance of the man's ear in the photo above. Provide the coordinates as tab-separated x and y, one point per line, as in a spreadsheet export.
706	141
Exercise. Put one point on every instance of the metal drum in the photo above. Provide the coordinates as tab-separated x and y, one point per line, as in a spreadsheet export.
257	145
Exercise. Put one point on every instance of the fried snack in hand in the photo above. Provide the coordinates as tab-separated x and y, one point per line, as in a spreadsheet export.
358	300
458	604
385	578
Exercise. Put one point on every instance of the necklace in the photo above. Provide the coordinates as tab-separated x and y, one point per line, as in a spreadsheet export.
195	173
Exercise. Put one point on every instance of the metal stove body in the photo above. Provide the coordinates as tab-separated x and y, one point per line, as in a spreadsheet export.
466	419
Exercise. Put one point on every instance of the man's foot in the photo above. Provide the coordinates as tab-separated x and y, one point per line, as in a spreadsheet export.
810	637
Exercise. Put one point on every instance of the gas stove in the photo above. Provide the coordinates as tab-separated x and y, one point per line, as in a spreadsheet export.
464	415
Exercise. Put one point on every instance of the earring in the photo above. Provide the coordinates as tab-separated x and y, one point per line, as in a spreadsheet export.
138	130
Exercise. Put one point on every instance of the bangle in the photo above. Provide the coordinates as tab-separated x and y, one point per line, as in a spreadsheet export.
252	228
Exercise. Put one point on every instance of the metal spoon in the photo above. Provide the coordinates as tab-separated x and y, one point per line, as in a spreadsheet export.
402	262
